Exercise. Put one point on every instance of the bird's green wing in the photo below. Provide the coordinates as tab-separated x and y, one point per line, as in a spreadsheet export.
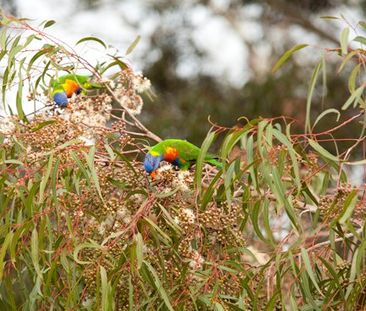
186	150
83	80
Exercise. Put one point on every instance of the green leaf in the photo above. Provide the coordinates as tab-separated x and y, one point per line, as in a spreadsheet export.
306	259
161	234
353	78
81	166
201	157
3	249
362	24
130	294
324	113
311	88
19	96
284	140
354	98
286	55
45	178
348	207
360	39
229	178
159	286
218	307
280	193
90	160
91	244
35	252
357	163
11	161
329	17
117	62
49	23
92	39
250	157
133	45
344	40
139	249
346	59
3	38
233	137
357	260
45	49
4	85
106	289
325	153
42	125
254	215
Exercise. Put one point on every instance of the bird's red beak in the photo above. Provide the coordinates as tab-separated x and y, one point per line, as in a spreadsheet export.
153	174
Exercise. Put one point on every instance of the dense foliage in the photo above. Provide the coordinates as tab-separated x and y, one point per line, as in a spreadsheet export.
84	228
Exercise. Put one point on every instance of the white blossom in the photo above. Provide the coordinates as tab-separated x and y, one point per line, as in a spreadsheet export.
140	83
7	125
133	104
196	261
189	214
88	141
182	181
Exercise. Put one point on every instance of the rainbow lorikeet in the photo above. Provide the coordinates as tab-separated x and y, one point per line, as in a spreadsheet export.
67	85
180	153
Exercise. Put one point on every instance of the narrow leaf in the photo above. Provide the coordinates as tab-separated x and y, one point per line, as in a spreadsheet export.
286	55
306	259
133	45
344	40
360	39
324	113
92	39
325	153
49	23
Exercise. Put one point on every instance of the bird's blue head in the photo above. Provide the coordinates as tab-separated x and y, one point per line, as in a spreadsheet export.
60	99
152	162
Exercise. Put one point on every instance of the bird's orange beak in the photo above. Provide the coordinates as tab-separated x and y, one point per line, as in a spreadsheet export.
153	175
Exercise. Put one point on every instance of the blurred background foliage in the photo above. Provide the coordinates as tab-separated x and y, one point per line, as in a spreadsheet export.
187	65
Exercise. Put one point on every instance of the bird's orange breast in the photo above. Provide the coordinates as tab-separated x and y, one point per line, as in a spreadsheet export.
170	154
70	87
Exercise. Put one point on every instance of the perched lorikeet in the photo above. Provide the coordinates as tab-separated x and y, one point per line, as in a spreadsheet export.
180	153
67	85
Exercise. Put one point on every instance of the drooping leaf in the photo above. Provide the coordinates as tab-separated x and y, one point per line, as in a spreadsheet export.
286	55
360	39
325	112
49	23
344	40
325	153
133	45
86	39
354	98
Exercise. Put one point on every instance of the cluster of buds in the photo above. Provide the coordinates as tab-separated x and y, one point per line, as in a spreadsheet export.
222	224
331	205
